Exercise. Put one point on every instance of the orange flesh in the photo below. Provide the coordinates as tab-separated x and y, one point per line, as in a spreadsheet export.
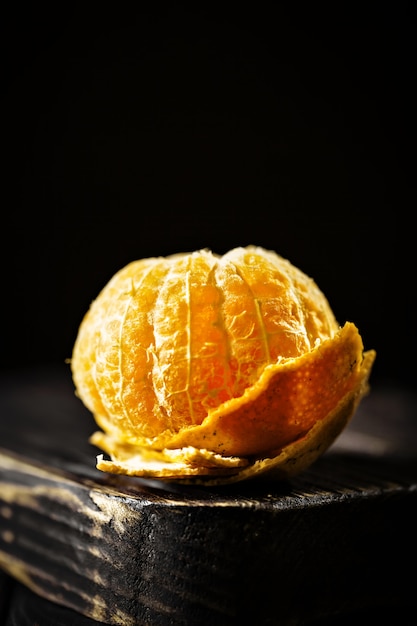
239	354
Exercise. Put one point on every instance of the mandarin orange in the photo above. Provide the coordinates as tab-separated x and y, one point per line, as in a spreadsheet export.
222	367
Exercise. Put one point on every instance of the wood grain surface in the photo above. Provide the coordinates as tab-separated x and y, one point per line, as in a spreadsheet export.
77	545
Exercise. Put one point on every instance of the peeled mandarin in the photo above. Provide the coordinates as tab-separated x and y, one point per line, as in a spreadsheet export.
218	367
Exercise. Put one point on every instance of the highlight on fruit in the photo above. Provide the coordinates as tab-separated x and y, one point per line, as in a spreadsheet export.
215	369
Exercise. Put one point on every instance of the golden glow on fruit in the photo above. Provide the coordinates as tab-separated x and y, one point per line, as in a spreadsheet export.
199	364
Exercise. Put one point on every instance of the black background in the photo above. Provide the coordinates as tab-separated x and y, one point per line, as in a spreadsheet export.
146	132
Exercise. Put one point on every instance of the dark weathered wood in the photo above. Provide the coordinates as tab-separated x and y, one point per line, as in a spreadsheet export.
330	543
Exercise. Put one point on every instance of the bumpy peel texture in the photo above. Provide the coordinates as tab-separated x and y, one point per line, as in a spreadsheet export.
221	367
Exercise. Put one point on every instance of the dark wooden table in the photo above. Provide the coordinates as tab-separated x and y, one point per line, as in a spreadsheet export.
336	545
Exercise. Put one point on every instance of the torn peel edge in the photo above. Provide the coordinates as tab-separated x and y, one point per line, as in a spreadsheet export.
163	471
302	453
144	462
196	466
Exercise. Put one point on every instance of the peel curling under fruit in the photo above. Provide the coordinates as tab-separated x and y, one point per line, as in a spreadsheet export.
199	367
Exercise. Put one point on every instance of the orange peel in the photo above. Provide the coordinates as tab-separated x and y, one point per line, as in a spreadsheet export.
200	367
